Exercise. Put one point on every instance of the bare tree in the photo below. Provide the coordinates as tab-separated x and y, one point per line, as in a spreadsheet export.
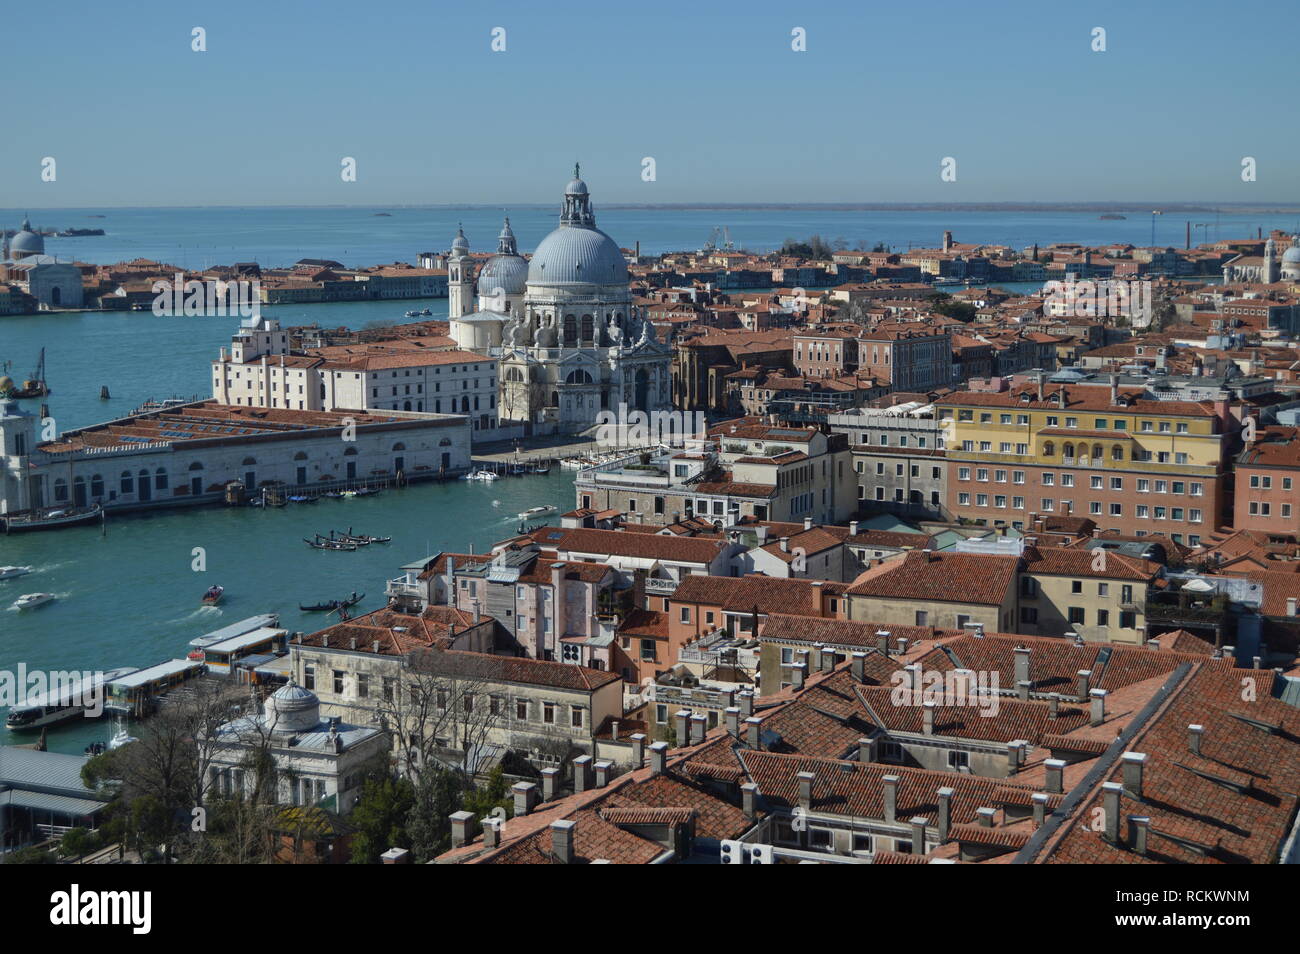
443	704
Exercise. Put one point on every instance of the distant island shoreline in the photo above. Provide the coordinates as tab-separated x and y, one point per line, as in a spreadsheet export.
1134	208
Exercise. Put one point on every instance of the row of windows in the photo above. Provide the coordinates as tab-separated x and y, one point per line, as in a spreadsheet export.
1098	423
1049	505
1266	483
1095	481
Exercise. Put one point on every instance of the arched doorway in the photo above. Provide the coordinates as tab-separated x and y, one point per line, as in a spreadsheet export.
642	398
144	486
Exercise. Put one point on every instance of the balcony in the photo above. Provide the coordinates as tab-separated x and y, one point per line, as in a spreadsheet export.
655	586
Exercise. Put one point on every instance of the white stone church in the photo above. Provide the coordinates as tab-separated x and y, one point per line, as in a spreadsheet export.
562	324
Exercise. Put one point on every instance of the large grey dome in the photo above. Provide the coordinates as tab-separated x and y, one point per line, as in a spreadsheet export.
1292	255
576	254
26	242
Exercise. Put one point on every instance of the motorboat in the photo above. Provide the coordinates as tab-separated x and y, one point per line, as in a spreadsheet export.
535	512
11	572
213	596
33	600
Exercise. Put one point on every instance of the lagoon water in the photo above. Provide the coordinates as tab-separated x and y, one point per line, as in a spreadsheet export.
131	597
357	236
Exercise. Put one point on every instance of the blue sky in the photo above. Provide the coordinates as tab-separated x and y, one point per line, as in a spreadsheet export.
712	91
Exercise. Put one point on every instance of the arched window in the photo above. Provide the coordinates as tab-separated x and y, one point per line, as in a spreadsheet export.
97	486
350	452
1097	452
399	446
1049	449
570	330
514	375
300	456
196	466
61	489
1068	450
1117	453
127	485
249	462
588	329
160	479
578	376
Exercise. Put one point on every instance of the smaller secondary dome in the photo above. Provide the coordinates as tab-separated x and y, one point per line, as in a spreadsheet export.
1292	255
503	275
460	243
292	708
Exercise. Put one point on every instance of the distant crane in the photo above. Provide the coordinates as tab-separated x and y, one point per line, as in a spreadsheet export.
719	232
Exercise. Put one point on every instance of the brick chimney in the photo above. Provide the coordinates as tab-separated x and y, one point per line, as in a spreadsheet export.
797	675
1098	706
550	784
604	768
525	794
945	795
731	715
1110	795
805	789
462	827
1022	664
582	773
1055	769
890	783
1040	808
658	758
562	840
859	667
1138	828
1134	766
699	725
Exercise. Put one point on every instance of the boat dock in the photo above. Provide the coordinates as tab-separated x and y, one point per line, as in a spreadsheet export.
523	457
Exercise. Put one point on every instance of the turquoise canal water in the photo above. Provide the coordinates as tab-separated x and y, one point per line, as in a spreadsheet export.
129	596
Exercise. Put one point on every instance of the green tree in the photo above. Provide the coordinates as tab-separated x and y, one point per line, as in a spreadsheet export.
380	818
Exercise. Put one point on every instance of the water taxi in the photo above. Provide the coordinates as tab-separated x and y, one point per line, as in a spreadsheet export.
33	600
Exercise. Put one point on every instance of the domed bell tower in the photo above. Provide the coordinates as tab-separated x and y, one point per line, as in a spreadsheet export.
460	281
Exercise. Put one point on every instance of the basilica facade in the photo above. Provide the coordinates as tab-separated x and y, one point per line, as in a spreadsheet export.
562	324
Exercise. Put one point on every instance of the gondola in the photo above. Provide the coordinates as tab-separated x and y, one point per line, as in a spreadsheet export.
325	544
360	539
330	606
